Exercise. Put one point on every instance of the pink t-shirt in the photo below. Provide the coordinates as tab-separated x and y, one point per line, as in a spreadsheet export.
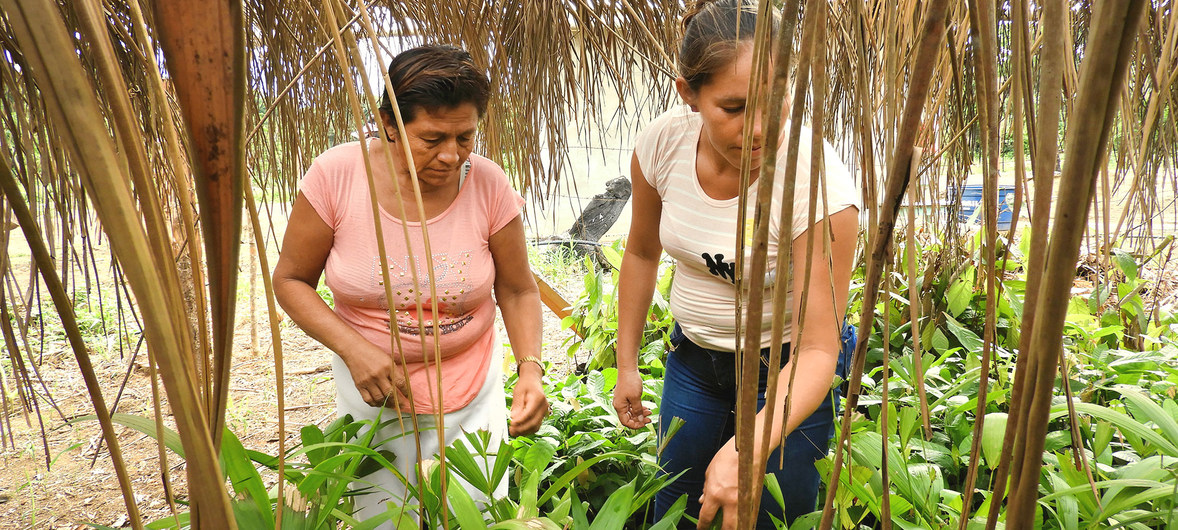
336	185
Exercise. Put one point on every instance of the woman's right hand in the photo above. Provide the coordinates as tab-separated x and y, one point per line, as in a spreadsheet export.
636	284
378	378
305	249
628	400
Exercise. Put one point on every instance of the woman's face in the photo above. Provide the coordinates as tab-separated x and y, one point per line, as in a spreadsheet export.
440	141
721	104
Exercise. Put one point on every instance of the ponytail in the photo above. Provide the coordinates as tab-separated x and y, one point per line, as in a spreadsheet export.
692	10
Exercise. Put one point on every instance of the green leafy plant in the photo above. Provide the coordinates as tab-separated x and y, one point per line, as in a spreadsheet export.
1125	400
319	474
583	447
595	314
328	467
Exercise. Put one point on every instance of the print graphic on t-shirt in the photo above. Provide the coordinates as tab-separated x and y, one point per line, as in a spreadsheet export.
409	326
717	267
453	289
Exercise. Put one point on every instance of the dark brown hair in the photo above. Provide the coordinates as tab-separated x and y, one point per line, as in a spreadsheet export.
435	76
713	31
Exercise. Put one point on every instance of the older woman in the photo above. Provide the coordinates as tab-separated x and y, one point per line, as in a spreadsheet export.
477	246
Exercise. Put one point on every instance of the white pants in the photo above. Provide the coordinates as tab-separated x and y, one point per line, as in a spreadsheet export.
386	491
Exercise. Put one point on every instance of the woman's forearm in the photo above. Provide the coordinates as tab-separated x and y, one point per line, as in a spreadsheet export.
522	320
815	349
809	388
516	292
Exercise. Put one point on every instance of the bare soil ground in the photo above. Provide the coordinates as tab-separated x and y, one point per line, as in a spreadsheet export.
78	486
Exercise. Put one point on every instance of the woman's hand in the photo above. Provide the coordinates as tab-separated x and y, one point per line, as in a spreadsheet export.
721	490
628	400
378	378
529	405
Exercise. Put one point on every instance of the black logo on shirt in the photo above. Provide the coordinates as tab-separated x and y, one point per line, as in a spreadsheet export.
717	267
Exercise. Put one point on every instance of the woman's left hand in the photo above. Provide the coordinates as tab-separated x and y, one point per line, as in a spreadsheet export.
721	490
529	405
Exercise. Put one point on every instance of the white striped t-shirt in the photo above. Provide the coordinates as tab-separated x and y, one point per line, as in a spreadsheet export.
700	232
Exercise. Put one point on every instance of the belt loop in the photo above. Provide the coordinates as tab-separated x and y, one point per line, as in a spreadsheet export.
676	337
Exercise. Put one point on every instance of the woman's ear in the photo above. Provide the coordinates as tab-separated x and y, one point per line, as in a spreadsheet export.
686	93
388	126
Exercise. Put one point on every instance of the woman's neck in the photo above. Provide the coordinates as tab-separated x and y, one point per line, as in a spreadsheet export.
719	179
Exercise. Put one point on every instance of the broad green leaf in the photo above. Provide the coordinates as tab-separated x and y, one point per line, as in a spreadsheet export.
578	509
1104	435
253	500
1067	509
1015	302
897	518
899	506
1171	407
869	452
959	295
803	522
144	425
570	475
613	256
1154	485
180	521
463	463
248	513
1161	490
1150	468
595	383
969	340
535	523
369	465
561	508
312	436
774	488
463	508
616	510
535	460
1134	518
401	518
1078	311
928	481
1151	410
1124	422
1126	263
1024	241
938	339
992	434
1099	294
671	518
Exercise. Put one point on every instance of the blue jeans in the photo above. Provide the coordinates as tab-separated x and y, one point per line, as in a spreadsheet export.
700	387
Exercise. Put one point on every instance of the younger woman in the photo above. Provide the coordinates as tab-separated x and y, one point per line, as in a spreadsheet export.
686	178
